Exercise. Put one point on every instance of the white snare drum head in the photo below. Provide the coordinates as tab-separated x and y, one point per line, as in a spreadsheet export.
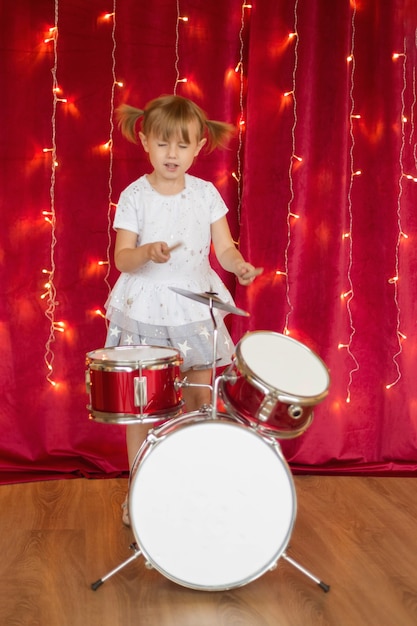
283	364
212	504
133	354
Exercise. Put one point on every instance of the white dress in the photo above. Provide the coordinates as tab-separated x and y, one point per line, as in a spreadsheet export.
142	309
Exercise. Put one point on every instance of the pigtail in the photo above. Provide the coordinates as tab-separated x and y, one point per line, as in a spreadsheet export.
219	133
127	116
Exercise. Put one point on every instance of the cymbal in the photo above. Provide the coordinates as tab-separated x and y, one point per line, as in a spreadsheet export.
208	297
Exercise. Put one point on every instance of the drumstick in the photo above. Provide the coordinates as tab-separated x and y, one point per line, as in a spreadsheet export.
258	271
175	246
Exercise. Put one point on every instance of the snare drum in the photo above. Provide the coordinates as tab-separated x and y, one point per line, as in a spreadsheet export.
212	504
274	382
133	383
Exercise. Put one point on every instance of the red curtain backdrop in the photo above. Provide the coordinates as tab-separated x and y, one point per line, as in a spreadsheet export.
320	182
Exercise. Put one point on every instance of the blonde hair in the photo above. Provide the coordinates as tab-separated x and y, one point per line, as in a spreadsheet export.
171	115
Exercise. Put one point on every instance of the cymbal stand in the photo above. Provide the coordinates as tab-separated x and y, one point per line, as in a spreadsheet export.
214	386
213	369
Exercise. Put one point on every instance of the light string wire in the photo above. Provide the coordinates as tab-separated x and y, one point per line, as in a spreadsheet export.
349	295
179	19
111	204
413	107
240	69
290	213
394	280
412	117
51	293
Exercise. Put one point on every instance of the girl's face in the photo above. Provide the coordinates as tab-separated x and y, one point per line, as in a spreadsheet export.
173	157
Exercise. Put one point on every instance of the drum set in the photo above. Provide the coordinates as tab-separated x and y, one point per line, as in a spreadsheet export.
212	503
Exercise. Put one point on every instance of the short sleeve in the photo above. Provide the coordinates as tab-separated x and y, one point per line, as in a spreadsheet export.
218	206
128	211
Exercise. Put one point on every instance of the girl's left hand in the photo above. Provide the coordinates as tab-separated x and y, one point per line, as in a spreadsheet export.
247	273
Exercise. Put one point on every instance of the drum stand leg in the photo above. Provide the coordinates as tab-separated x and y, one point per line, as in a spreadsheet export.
100	581
305	571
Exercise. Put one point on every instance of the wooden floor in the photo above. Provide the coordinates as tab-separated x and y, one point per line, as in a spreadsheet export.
358	534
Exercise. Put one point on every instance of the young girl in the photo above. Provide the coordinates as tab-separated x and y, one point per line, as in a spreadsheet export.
155	213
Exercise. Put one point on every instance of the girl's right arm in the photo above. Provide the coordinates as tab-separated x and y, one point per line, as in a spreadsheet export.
128	257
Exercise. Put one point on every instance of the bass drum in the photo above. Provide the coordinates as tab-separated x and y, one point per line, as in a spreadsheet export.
212	504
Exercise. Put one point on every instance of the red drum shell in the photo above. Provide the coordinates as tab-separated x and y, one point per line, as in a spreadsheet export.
112	377
274	383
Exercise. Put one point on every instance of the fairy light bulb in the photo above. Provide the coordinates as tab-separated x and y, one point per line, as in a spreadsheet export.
52	35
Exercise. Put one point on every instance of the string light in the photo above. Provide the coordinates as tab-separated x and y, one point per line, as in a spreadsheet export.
180	18
50	294
349	295
394	280
239	69
108	147
290	213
